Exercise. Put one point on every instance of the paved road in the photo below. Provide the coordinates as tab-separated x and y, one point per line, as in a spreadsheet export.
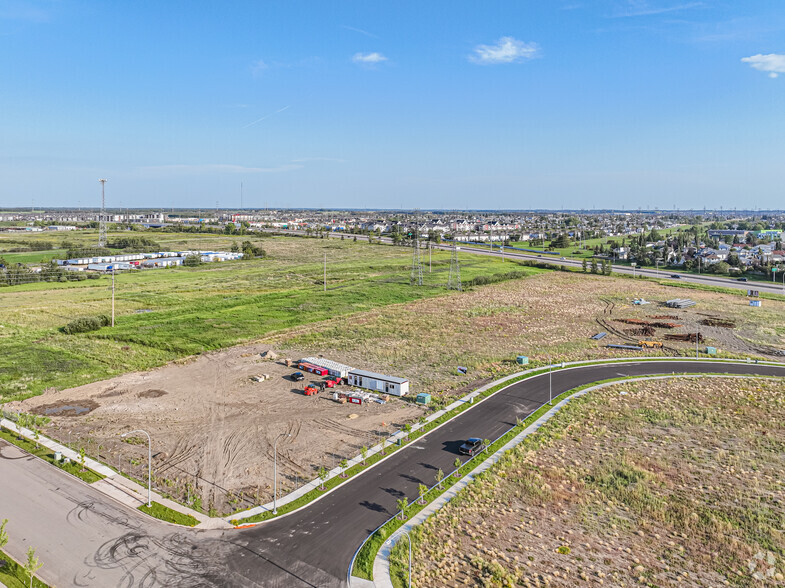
706	280
95	542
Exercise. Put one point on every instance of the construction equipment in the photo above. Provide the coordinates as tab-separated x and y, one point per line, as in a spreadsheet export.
650	344
310	390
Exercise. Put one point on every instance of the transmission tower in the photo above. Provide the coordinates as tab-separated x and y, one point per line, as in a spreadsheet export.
102	218
416	278
454	281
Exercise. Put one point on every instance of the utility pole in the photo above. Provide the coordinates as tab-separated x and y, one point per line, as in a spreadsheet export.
102	218
113	266
430	248
416	277
325	272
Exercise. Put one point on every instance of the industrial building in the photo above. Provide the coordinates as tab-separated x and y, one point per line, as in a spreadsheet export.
379	382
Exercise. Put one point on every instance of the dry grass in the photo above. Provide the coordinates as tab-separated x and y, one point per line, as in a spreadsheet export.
676	482
546	315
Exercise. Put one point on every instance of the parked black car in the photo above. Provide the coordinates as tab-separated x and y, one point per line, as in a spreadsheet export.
297	376
743	280
473	446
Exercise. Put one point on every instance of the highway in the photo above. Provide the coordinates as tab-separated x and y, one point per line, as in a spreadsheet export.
85	539
664	274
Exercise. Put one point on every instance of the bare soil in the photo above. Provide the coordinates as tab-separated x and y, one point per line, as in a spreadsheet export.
660	483
214	428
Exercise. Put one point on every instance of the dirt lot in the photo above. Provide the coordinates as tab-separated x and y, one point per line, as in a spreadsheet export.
214	428
661	483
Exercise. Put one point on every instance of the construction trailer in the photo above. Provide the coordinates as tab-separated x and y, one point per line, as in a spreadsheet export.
379	382
333	367
314	369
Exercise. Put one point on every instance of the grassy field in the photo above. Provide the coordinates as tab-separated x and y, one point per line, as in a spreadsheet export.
671	483
167	314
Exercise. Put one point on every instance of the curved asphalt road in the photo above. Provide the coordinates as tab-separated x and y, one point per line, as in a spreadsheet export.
314	546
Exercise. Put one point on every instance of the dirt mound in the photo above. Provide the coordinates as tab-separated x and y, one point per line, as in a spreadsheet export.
111	392
68	408
656	325
647	331
715	322
151	394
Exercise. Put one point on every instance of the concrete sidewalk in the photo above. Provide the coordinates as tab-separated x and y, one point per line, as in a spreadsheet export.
115	485
381	565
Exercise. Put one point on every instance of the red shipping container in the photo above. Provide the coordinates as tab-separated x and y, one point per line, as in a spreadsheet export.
355	400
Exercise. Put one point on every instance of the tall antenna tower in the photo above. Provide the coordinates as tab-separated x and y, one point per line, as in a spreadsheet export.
454	281
416	278
102	218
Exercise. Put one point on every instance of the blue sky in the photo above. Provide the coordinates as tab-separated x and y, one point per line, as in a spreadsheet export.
397	104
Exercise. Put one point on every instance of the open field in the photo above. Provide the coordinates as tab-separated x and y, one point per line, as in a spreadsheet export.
548	315
658	483
213	428
167	314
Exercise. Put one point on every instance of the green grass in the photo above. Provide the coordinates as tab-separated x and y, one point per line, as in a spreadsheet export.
14	576
199	309
159	511
72	468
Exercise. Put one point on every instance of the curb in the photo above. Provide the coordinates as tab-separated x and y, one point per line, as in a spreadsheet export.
381	564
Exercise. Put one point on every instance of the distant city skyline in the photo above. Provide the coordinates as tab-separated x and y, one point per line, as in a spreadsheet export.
660	104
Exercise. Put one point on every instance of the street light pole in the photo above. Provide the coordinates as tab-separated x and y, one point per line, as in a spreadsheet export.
149	463
275	472
697	337
550	381
408	537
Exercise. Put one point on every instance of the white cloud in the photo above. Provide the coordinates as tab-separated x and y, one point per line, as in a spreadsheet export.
506	50
368	58
645	8
772	63
361	31
257	67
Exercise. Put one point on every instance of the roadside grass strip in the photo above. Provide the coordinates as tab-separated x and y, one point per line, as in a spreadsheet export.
74	468
13	575
363	563
336	477
164	513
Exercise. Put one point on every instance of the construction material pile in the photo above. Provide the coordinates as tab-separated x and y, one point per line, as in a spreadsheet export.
691	337
680	303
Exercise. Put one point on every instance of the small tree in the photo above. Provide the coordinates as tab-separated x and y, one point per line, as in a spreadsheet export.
487	444
401	505
82	458
421	490
36	436
407	429
32	565
439	476
585	265
344	464
457	463
364	453
593	265
323	475
384	446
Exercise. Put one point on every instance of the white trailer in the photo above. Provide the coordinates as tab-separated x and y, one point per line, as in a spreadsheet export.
379	382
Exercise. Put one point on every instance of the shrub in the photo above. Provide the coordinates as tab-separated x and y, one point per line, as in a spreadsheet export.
86	324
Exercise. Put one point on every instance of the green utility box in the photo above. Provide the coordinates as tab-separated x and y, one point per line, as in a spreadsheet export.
522	360
711	351
423	398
